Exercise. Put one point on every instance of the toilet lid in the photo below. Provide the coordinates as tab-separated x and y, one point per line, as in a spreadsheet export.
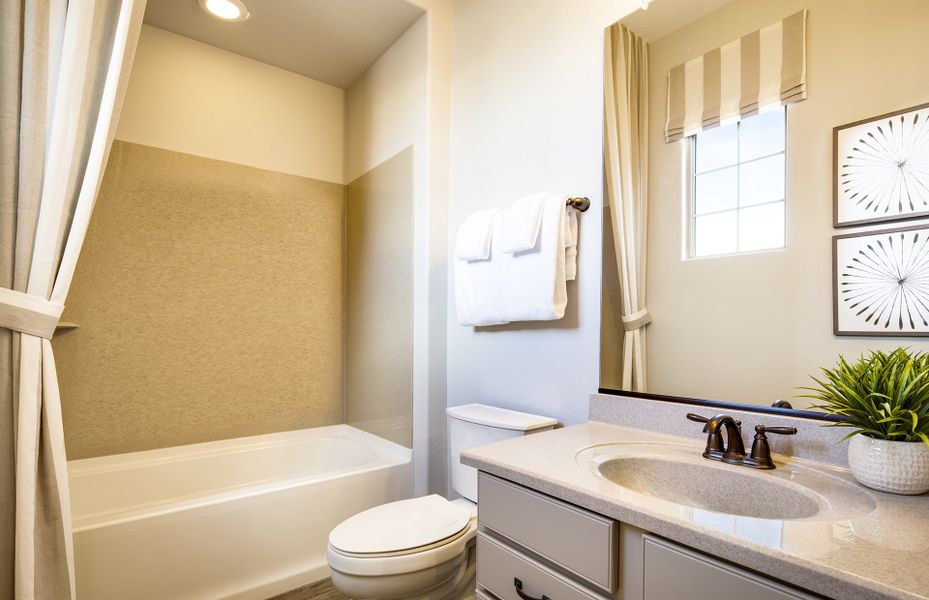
399	526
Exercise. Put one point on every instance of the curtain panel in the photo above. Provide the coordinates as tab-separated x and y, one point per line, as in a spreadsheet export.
761	70
625	166
63	69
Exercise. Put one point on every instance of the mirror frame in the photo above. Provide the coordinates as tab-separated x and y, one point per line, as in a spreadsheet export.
720	404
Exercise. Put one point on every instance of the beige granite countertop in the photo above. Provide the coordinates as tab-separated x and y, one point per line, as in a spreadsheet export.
878	553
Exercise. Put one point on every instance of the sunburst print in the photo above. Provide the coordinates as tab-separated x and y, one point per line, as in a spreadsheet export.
882	283
883	168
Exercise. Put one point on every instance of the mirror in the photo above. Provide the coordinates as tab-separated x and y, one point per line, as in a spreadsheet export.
739	259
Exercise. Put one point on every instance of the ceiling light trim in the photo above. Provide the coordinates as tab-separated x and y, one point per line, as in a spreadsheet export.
222	10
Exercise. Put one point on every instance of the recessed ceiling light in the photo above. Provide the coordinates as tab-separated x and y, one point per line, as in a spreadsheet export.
227	10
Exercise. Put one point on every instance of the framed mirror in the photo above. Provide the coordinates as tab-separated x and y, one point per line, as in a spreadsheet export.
737	261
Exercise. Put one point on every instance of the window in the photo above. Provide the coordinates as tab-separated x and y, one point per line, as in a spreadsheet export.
737	200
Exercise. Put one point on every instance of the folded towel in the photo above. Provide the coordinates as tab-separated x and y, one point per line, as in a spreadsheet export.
533	283
474	236
530	285
478	300
570	259
519	224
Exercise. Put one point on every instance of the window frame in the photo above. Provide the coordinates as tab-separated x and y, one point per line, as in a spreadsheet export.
690	199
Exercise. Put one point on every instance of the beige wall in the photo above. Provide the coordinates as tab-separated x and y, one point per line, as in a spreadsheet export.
751	328
191	97
379	300
210	302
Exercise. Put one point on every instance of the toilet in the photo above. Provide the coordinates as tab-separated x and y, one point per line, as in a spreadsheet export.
424	548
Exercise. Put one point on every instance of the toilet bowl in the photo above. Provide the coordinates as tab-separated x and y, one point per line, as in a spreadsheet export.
419	549
424	548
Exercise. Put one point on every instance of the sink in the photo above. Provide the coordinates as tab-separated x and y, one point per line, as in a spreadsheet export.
709	487
676	473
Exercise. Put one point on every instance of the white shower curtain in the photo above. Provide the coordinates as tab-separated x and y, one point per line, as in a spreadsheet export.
625	166
63	69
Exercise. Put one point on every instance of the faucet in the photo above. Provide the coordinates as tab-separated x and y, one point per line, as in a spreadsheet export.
734	450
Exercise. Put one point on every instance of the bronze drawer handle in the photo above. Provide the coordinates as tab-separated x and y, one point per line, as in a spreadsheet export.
519	591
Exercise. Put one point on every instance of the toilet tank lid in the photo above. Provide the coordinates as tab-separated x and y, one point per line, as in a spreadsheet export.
502	418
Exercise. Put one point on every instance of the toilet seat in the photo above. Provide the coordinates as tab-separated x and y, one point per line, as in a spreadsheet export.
402	537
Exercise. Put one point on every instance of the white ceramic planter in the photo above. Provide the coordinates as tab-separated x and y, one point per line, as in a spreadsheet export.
895	467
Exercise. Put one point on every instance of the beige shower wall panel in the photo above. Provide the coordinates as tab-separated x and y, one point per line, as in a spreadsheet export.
379	296
209	297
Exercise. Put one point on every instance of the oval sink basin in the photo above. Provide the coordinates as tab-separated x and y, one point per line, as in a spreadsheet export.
676	473
710	487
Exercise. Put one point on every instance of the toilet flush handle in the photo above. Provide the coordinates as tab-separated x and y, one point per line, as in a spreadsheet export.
519	591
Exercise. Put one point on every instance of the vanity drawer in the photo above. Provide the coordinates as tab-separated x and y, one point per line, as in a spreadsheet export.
498	566
578	540
700	577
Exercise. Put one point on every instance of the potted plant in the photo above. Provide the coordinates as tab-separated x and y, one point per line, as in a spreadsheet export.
884	398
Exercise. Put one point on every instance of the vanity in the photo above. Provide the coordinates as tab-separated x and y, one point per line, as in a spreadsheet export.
626	507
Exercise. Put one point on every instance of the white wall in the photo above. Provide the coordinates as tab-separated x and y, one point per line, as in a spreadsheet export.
394	104
526	114
385	108
190	97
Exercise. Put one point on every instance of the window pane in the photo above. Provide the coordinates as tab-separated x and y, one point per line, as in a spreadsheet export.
716	191
717	148
762	135
715	234
761	181
761	227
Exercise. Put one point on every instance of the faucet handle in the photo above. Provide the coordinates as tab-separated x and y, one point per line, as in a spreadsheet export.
760	458
699	419
778	430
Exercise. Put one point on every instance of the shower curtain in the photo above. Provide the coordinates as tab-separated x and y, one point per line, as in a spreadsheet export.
63	71
625	167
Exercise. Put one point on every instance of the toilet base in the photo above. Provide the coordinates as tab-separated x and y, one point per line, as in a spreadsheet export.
453	580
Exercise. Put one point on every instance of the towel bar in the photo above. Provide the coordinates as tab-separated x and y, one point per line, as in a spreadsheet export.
581	204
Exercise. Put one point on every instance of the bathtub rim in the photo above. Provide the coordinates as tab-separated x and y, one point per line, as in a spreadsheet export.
389	454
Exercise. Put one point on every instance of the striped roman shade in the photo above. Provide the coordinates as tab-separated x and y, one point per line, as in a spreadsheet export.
763	69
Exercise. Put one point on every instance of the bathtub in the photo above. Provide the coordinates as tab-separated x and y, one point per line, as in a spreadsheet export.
236	519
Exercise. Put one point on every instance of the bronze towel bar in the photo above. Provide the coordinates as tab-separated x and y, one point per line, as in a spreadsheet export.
581	204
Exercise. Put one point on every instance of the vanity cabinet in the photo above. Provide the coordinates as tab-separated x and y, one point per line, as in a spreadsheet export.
533	546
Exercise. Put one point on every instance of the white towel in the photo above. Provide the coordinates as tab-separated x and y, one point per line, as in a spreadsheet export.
530	285
477	293
474	236
519	224
533	282
570	258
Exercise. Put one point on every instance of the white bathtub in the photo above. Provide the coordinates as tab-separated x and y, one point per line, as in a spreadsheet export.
236	519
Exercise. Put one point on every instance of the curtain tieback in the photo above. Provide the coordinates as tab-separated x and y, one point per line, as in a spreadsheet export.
29	314
636	320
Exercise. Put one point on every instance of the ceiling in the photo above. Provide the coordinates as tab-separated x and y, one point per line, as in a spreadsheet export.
665	16
333	41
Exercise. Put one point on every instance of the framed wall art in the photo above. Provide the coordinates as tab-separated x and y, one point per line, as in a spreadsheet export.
881	282
881	168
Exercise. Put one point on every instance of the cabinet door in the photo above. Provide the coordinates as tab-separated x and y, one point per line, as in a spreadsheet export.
584	543
673	572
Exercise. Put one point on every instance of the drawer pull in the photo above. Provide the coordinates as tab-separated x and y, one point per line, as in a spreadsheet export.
519	591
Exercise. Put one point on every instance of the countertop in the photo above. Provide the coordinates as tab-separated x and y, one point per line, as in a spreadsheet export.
879	553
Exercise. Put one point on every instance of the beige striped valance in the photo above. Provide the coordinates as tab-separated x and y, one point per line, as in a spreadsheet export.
762	69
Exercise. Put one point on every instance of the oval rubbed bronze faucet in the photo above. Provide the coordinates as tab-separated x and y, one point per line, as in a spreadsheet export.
734	450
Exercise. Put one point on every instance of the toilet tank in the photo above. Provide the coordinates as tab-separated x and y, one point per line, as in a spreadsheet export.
473	425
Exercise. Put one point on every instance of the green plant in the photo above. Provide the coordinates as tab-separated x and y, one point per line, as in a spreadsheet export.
884	395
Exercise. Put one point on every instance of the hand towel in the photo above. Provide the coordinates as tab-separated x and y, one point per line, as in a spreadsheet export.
519	224
570	259
478	297
475	235
532	284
